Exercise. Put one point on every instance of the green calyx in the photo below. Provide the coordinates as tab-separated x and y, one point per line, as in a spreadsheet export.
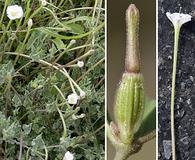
129	106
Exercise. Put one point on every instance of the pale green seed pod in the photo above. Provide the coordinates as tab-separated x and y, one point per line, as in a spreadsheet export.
129	105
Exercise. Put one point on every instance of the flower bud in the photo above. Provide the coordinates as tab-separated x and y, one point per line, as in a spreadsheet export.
82	94
30	23
80	64
73	41
43	2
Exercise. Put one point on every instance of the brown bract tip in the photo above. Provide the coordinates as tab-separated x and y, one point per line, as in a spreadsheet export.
132	9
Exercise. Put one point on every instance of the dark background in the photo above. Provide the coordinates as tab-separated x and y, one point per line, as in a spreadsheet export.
185	86
116	30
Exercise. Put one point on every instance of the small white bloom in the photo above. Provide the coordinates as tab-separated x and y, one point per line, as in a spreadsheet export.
80	64
82	115
178	19
43	2
68	156
30	22
82	94
73	41
14	12
72	98
75	117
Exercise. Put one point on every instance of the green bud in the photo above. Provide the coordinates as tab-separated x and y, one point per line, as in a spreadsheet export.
129	106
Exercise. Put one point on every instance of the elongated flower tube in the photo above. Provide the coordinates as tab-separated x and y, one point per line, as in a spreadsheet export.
177	19
129	101
129	104
132	60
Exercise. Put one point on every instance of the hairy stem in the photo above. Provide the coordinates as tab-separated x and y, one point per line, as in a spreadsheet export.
124	152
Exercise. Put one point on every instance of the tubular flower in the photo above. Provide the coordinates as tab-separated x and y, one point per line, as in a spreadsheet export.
178	19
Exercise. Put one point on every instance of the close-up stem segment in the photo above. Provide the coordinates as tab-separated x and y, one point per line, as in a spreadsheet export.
176	40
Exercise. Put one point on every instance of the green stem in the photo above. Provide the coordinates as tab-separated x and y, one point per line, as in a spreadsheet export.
176	40
28	9
46	153
3	36
3	13
4	33
63	123
60	113
32	15
21	49
63	71
27	154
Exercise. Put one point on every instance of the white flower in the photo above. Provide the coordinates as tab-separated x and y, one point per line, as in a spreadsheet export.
68	156
75	117
178	19
14	12
30	22
43	2
82	115
72	98
80	64
73	41
82	94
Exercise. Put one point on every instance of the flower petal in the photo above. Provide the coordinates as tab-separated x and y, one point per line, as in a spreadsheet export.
178	19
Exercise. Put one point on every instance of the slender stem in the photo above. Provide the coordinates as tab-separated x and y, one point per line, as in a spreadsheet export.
4	33
176	40
32	15
65	50
63	71
3	13
81	57
28	9
27	154
63	123
46	153
123	152
60	113
20	49
21	146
